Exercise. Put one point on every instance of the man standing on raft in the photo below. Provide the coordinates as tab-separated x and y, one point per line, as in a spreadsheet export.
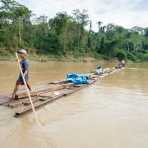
25	69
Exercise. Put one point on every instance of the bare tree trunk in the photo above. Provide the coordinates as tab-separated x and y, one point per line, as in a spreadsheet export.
20	36
79	34
128	49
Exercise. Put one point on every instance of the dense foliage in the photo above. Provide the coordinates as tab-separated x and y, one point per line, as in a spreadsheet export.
66	35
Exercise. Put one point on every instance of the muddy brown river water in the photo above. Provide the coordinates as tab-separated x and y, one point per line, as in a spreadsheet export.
113	113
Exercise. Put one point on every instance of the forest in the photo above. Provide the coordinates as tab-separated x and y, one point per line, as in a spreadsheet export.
68	35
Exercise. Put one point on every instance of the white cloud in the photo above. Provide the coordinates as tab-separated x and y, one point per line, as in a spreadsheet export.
122	12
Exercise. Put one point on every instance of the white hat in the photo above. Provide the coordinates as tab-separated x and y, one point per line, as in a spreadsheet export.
23	51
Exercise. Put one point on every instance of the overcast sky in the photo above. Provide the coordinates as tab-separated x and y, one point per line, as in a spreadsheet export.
127	13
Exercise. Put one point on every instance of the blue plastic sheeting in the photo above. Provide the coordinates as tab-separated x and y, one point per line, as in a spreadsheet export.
78	79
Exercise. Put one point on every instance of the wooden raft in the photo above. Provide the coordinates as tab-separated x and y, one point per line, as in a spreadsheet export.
48	93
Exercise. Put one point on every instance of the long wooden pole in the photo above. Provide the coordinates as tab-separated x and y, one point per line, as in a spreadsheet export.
28	92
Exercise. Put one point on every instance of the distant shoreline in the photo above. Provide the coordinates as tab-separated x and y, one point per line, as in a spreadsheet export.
43	58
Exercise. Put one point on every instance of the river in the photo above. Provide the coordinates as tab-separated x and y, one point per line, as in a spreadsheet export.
113	113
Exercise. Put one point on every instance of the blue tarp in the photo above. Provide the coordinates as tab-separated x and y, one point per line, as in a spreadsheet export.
78	78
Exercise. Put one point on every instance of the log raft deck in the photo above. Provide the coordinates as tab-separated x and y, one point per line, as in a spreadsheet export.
48	93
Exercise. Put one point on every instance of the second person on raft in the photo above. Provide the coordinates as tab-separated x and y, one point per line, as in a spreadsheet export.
25	69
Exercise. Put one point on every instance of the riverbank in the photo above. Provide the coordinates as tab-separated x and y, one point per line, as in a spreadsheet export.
34	55
46	58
